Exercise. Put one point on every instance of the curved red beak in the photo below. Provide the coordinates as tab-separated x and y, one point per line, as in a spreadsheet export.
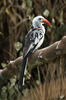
46	21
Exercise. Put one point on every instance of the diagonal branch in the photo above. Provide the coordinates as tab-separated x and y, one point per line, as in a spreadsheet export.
46	54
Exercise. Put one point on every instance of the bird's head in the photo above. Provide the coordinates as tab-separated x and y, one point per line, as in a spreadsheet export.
38	21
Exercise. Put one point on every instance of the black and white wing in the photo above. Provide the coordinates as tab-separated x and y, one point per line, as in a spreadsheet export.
33	40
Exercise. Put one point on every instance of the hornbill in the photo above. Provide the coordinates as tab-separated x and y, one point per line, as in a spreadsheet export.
33	40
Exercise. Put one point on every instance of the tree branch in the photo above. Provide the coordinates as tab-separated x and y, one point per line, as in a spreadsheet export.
46	54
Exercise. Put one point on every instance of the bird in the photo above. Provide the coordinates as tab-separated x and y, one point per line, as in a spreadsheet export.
33	40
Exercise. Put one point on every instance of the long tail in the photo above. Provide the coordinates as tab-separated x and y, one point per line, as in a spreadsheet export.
24	65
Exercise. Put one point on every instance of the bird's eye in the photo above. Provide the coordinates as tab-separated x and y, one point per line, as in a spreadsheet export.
40	19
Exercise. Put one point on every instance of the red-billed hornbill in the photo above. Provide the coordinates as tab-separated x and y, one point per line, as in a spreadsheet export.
33	41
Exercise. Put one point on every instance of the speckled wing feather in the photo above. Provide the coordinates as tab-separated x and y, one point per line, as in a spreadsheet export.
32	39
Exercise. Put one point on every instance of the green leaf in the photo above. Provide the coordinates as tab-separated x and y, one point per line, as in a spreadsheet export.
46	13
18	46
3	65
